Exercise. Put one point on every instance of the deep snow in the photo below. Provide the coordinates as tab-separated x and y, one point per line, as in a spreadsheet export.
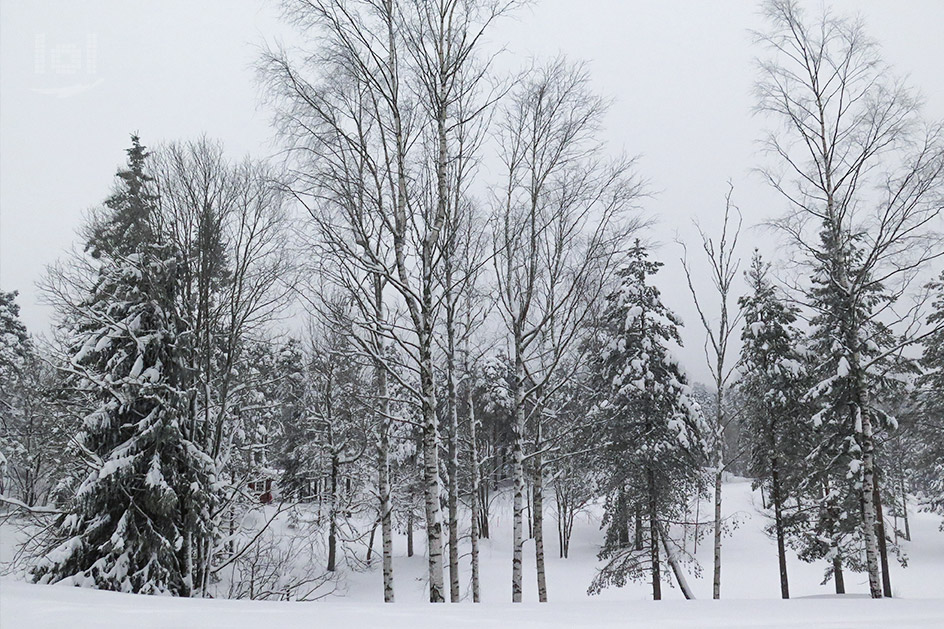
749	572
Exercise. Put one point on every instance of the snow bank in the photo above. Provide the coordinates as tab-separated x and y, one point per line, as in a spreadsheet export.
24	606
750	589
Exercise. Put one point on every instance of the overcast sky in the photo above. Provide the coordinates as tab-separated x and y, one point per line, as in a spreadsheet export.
78	76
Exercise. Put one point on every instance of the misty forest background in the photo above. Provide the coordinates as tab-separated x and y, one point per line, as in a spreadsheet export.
372	335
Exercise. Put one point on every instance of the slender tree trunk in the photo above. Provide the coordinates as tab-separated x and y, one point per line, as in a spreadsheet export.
383	447
440	103
333	515
904	509
409	533
529	504
539	512
370	541
697	516
431	474
421	309
716	581
476	481
654	540
560	520
565	521
777	498
834	543
197	569
186	552
452	465
431	478
386	504
499	473
638	528
483	508
837	575
882	544
623	524
519	485
206	557
568	531
778	523
869	520
895	524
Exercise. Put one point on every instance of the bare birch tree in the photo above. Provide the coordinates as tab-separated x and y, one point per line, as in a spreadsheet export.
561	217
229	222
384	100
723	269
463	256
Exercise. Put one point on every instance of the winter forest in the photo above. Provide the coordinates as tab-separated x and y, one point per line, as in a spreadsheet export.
422	352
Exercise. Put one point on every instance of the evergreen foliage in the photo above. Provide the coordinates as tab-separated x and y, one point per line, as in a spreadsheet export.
853	371
773	382
651	430
929	444
146	501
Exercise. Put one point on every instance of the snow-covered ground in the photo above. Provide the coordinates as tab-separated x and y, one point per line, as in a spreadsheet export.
750	591
34	607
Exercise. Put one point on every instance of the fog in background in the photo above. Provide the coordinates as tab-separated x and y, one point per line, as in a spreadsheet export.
77	77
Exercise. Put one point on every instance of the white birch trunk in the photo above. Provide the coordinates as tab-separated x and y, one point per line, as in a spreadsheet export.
519	486
452	410
539	515
476	481
868	495
431	478
383	456
716	581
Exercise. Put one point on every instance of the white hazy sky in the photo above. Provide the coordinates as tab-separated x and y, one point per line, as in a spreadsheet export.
78	76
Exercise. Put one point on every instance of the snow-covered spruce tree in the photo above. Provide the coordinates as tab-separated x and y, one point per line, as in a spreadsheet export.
929	470
854	368
651	429
292	444
15	343
772	388
16	350
146	500
861	173
494	403
127	221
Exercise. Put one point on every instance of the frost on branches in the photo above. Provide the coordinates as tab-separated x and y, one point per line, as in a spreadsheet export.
774	379
145	503
929	472
16	349
854	372
653	429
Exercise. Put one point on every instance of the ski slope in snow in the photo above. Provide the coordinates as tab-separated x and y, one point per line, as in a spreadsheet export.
750	590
